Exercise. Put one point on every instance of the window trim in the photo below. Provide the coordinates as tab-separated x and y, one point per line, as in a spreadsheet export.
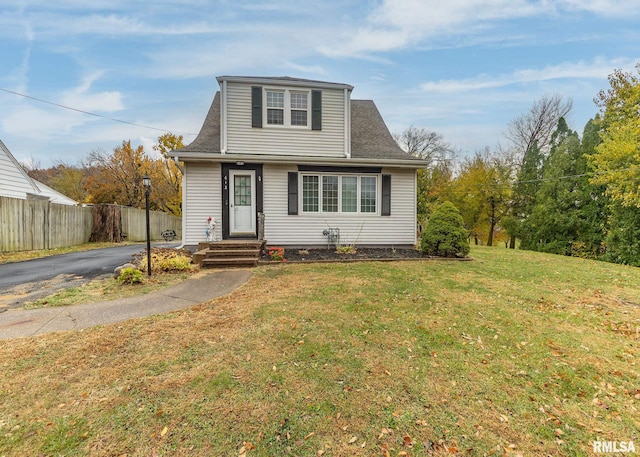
287	109
268	108
340	175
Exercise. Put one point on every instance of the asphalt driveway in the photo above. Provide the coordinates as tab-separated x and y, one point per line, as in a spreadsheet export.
33	279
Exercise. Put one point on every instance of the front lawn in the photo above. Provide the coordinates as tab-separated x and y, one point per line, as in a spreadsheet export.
513	353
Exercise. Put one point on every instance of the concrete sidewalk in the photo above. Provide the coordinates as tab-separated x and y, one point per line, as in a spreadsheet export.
19	323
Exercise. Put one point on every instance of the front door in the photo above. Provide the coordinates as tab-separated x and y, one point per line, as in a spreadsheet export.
242	202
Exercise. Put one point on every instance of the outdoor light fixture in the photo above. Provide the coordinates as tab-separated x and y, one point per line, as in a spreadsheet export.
146	182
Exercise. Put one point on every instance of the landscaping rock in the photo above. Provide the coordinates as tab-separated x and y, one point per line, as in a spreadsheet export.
118	270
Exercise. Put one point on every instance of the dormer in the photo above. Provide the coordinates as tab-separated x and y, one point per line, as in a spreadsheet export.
284	116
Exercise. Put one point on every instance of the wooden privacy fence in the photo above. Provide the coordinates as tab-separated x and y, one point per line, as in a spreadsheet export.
134	224
36	224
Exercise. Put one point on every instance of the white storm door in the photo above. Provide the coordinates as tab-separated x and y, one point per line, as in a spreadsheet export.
242	202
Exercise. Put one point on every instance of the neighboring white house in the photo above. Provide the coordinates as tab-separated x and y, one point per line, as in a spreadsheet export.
307	157
16	183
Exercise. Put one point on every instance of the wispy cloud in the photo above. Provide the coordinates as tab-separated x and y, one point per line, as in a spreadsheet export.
82	98
314	69
398	24
598	69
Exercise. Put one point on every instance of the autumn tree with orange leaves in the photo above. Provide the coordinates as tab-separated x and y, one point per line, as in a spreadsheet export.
117	177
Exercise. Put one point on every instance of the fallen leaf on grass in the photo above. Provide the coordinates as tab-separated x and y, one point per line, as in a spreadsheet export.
353	439
164	431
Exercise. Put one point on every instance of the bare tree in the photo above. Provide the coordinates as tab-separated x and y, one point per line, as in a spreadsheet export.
536	127
423	143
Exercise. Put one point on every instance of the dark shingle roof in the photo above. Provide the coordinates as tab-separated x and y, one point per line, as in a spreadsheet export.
370	137
208	140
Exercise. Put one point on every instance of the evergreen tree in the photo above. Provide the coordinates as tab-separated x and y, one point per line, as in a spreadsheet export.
524	193
552	225
569	213
445	235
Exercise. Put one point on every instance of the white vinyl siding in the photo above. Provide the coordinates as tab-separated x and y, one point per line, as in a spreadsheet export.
202	196
13	181
242	138
305	229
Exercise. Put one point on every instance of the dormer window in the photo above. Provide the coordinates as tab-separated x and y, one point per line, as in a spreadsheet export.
275	108
299	112
293	108
287	108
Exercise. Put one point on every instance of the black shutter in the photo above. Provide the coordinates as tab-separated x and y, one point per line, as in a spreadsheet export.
386	195
316	110
293	193
256	106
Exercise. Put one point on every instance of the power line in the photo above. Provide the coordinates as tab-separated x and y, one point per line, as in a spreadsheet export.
90	113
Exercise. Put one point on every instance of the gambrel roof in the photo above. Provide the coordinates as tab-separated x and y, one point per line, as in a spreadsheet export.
370	137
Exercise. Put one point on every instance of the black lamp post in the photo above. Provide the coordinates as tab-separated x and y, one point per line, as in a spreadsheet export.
146	182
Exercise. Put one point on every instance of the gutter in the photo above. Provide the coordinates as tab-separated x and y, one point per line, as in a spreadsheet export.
292	159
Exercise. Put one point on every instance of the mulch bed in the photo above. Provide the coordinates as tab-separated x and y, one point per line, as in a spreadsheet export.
361	254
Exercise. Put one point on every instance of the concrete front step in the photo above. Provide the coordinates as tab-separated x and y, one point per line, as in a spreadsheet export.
231	244
229	253
252	254
218	262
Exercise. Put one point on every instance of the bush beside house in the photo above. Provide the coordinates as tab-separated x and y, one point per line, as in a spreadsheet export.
445	235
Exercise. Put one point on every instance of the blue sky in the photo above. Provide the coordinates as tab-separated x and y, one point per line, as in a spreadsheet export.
463	68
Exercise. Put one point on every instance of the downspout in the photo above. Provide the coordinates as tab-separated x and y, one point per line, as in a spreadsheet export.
184	204
347	123
223	118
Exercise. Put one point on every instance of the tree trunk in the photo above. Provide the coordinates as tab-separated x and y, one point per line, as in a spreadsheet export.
107	224
492	221
491	230
512	242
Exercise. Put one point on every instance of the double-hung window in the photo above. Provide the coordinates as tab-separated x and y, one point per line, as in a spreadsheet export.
275	108
299	111
287	108
329	193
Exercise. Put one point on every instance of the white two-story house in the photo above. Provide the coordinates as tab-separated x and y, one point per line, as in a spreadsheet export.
307	157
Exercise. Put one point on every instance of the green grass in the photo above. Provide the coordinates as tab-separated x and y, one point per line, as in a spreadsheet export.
106	289
513	353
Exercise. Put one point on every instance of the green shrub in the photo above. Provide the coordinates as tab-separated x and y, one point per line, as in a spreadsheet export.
164	260
346	249
445	235
130	275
